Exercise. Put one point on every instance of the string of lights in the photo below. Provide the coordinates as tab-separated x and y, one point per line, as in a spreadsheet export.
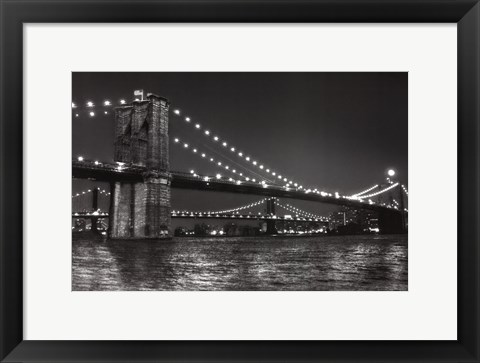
248	206
100	191
405	190
379	192
218	163
363	192
244	156
299	211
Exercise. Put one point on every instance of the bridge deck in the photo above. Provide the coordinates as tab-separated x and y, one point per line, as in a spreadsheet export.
115	173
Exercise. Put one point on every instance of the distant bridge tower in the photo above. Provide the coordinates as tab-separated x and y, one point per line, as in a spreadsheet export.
271	225
142	210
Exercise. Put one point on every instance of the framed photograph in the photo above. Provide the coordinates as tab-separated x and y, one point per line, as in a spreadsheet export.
239	181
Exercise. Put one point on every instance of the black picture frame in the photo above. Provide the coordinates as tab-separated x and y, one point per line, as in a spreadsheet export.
14	13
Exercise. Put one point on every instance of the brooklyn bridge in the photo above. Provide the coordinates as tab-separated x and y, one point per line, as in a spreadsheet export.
138	204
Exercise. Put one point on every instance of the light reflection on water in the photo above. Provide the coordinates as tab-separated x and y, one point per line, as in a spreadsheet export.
243	263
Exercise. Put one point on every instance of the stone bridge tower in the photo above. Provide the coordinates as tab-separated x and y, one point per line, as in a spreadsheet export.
141	210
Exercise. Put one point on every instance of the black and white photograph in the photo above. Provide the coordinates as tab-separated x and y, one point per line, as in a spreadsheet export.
239	181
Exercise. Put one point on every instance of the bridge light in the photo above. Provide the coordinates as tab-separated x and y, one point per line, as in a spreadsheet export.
207	132
76	115
254	162
176	140
240	154
197	126
219	163
391	172
216	138
273	173
279	177
268	170
176	112
73	105
247	178
203	155
232	149
80	158
285	179
295	184
253	180
227	167
106	113
206	178
224	144
185	145
122	102
211	159
263	182
247	158
96	162
261	166
194	150
234	171
241	174
90	104
230	179
192	171
187	119
218	176
107	103
92	113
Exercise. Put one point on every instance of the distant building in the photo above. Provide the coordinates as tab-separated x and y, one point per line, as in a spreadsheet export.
366	220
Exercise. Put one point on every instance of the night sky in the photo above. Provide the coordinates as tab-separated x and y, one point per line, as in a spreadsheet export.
333	131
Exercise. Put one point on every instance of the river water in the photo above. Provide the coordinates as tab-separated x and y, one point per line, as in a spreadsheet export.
244	263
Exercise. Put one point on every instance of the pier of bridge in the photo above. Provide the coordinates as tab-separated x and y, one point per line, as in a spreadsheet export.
141	209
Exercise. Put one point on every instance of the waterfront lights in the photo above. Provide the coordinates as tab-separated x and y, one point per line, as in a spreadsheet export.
192	171
92	113
96	162
176	112
391	172
122	102
80	158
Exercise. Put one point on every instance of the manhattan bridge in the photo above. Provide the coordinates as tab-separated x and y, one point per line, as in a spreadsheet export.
138	204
